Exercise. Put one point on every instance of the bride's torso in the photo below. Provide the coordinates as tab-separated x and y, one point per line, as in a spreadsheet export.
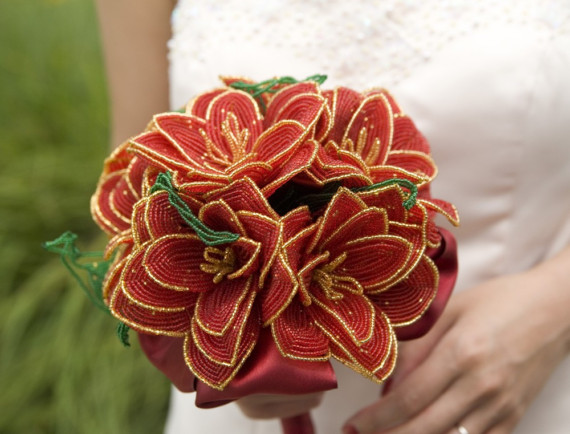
485	81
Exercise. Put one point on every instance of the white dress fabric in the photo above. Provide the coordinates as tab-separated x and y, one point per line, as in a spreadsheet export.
485	81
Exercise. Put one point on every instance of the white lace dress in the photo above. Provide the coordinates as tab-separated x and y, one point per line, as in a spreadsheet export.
485	81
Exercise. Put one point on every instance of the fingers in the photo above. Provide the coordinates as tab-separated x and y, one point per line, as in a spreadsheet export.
464	405
479	367
495	425
454	384
505	427
412	353
413	394
467	401
496	416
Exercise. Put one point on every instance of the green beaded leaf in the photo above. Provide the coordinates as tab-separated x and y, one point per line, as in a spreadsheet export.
87	271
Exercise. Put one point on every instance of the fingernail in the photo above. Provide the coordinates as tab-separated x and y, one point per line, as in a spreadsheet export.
349	429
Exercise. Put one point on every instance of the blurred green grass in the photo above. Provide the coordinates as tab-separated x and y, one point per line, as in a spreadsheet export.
62	369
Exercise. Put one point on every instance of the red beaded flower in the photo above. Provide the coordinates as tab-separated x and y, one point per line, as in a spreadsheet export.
174	283
295	213
370	140
363	272
223	137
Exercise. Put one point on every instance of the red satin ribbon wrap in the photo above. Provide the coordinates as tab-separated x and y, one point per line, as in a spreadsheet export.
266	371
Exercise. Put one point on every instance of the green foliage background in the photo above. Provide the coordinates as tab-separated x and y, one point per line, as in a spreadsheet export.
62	369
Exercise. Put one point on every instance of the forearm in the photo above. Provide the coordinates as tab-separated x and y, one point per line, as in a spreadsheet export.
134	36
552	288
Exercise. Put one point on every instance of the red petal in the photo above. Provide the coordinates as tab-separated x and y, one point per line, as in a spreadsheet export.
377	261
384	173
118	189
147	293
342	206
161	218
407	136
123	241
149	179
415	234
196	187
335	153
199	105
174	261
343	105
350	318
224	349
303	108
219	216
371	130
247	116
112	281
374	359
393	104
324	124
278	144
278	292
121	201
384	371
212	373
257	171
442	207
248	258
184	133
297	247
329	96
414	162
406	302
135	176
295	221
159	151
268	232
419	215
217	309
390	199
140	318
297	337
433	235
367	223
300	160
282	98
102	210
265	97
333	164
244	195
119	159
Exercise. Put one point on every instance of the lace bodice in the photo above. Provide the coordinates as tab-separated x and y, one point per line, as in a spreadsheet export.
383	40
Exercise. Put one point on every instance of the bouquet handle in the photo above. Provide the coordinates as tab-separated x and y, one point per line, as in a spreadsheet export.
300	424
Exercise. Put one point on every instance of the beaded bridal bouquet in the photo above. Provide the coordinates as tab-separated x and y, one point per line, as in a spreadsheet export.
267	228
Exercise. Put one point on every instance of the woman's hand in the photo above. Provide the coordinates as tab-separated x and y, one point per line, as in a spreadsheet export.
278	406
483	363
